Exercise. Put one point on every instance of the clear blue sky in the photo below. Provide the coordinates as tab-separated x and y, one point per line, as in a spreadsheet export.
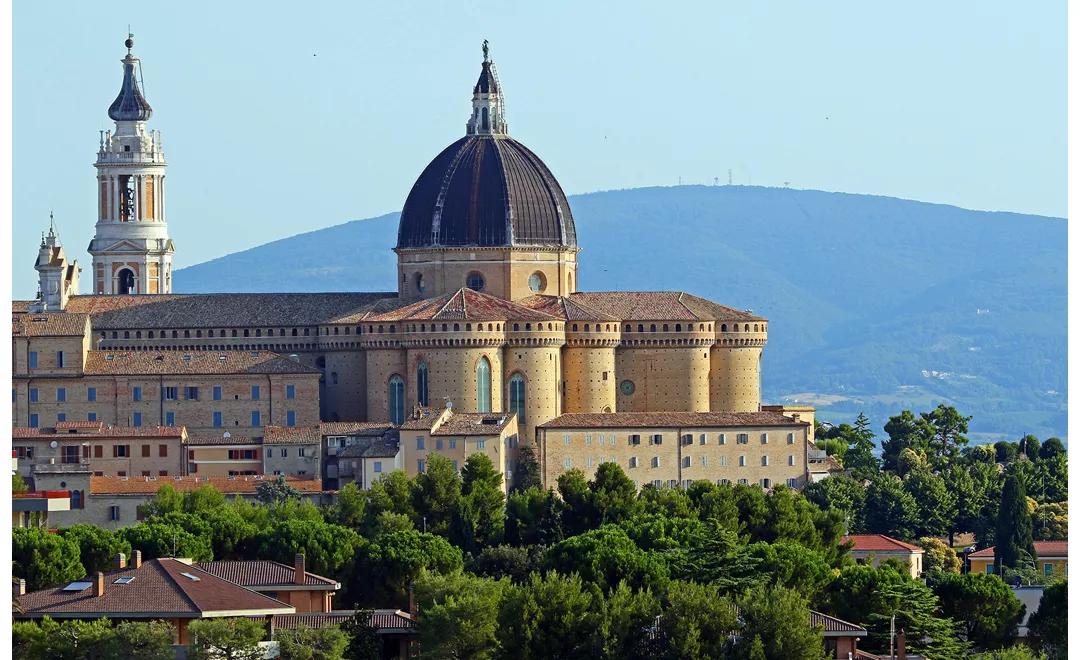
283	117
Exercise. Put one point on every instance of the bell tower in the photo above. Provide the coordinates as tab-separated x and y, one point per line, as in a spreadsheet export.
131	248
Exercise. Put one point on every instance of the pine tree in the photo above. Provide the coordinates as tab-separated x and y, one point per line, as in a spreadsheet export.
1013	536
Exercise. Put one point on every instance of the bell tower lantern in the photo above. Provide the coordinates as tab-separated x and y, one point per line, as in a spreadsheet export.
131	249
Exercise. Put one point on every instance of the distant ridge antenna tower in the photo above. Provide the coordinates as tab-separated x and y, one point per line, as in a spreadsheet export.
729	176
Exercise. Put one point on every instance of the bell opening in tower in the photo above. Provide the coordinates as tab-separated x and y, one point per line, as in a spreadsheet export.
125	282
127	198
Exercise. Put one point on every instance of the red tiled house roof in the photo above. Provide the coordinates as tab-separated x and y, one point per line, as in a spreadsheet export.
878	543
158	590
291	435
264	573
658	306
1044	549
386	621
668	420
97	430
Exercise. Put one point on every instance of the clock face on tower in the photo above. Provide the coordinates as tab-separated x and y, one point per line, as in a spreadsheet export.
627	387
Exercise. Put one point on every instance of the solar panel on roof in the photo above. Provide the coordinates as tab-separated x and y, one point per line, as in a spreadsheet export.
77	586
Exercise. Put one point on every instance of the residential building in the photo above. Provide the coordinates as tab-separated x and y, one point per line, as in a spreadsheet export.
347	445
114	451
1052	558
292	585
57	378
397	629
293	450
31	508
873	549
112	502
226	456
676	449
457	436
169	589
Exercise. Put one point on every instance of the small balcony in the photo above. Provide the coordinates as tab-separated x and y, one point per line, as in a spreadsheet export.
41	500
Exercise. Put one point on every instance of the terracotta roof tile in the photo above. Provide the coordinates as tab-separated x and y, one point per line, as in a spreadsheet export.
191	362
57	324
564	308
355	428
659	306
224	310
226	485
387	447
262	573
669	420
291	435
1044	549
878	543
99	431
384	620
833	625
158	588
464	305
220	440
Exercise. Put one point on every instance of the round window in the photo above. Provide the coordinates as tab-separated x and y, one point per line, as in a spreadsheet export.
537	282
475	281
627	387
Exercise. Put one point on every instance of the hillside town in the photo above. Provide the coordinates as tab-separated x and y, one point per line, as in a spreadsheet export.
486	463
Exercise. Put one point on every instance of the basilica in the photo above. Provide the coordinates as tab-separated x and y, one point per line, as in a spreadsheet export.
487	316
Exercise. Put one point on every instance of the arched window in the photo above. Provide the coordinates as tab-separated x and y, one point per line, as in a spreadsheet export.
397	400
484	118
517	397
421	383
483	386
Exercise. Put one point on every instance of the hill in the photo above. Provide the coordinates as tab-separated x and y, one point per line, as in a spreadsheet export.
875	303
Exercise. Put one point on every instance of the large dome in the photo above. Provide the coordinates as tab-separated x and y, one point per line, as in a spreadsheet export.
486	190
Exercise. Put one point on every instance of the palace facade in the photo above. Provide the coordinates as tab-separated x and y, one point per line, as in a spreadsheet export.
487	317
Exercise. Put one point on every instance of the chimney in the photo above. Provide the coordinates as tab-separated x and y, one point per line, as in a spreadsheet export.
136	558
901	652
20	588
299	575
99	584
121	562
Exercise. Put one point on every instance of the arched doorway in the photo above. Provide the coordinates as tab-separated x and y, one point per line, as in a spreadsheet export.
125	282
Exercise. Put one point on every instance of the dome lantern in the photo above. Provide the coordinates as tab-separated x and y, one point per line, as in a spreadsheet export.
130	104
489	110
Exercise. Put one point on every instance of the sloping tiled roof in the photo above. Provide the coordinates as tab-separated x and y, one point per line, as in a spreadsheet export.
57	324
374	429
565	308
98	431
221	440
371	448
659	306
291	435
263	573
879	543
191	362
669	420
21	306
464	305
1044	549
834	625
158	588
226	485
224	310
474	424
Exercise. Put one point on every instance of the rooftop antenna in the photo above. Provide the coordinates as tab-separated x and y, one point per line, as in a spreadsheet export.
729	176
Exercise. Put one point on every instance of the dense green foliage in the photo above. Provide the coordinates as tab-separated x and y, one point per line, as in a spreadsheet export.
1049	623
91	640
44	559
303	643
225	639
984	607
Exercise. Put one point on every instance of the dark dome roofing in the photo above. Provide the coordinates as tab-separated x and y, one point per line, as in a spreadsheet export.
130	104
486	190
486	84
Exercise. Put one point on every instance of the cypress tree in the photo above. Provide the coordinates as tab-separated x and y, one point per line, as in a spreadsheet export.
1013	538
